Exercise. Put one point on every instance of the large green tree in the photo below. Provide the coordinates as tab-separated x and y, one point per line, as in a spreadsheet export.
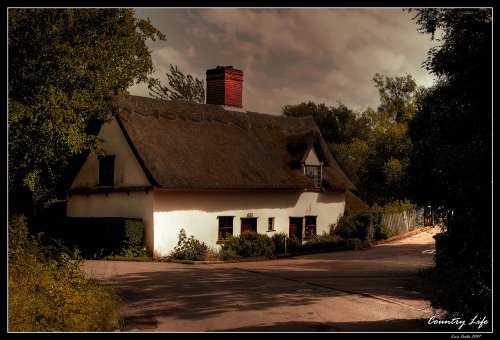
65	65
451	162
382	178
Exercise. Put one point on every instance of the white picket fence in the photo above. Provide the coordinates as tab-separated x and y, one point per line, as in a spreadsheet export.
404	221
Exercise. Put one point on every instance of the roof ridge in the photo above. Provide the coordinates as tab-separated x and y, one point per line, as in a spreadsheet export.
183	110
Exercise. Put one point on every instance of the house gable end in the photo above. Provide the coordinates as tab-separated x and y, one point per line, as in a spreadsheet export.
128	172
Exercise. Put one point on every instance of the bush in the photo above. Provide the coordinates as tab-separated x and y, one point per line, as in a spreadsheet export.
133	242
228	253
47	291
364	225
358	225
279	242
344	228
321	242
189	248
248	244
382	232
292	244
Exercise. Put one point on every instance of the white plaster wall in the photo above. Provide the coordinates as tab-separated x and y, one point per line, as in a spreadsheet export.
312	158
197	213
138	204
128	172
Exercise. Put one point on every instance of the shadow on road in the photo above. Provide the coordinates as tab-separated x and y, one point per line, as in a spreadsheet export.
199	292
389	272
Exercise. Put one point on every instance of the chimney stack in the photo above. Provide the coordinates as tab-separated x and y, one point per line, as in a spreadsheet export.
225	86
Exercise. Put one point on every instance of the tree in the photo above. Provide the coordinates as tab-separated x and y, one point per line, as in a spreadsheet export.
398	96
332	121
373	146
65	65
452	154
182	87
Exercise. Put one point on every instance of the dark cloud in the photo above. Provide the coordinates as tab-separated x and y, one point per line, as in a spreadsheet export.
292	55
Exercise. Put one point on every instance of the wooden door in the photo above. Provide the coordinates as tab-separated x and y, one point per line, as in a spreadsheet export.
296	226
248	224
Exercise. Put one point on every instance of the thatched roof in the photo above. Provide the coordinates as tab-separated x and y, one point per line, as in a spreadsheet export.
353	203
183	145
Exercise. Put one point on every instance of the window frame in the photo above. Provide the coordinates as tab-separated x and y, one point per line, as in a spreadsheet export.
317	177
224	227
309	226
270	219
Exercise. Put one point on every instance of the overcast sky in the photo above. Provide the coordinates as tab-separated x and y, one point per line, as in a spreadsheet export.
292	55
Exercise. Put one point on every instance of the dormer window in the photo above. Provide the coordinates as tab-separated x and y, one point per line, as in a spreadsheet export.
313	172
107	171
313	168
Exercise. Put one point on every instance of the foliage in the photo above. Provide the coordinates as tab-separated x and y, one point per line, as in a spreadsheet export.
182	87
452	151
381	176
344	228
228	253
473	298
325	242
133	242
292	243
47	291
248	244
358	225
398	206
95	237
352	157
381	232
212	255
65	65
189	248
373	146
332	121
363	220
398	96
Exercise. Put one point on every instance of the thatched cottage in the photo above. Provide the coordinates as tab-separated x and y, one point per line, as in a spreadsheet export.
213	169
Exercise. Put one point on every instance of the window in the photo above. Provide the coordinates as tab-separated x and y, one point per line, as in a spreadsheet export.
270	224
248	224
310	227
313	172
225	227
107	170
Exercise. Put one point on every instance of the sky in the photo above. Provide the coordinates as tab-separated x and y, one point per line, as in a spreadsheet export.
292	55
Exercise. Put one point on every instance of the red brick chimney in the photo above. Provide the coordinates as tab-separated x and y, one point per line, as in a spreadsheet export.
225	86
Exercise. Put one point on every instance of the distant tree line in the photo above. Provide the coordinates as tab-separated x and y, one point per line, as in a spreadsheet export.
373	146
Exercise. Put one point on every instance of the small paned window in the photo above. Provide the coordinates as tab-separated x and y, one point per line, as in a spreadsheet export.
310	227
313	172
225	227
270	224
107	171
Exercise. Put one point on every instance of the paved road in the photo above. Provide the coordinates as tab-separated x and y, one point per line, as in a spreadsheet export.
365	290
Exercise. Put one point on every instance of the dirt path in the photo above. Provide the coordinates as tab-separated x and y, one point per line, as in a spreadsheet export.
367	290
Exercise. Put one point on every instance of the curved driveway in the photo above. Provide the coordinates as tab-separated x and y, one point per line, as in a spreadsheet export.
351	291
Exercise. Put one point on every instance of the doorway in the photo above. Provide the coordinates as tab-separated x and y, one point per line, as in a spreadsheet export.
296	226
249	224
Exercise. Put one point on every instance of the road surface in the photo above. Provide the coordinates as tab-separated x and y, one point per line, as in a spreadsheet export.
373	290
